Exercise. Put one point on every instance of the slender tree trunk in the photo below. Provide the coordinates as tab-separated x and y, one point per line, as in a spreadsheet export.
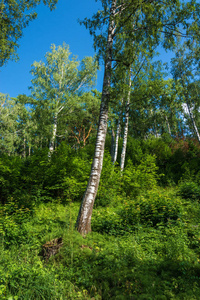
168	126
51	144
196	132
193	122
116	142
83	223
155	129
117	135
125	137
24	150
112	144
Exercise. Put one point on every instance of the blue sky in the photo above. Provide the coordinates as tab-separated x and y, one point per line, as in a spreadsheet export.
49	28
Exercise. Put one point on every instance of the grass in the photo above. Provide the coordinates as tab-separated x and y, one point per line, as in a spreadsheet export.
135	258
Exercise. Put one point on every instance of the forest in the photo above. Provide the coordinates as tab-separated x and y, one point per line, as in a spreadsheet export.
100	191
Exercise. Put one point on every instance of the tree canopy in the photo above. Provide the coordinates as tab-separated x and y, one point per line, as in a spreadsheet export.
14	16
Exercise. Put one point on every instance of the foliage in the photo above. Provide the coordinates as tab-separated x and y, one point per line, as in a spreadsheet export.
109	182
154	208
145	239
12	218
189	190
137	179
57	85
10	167
149	262
14	16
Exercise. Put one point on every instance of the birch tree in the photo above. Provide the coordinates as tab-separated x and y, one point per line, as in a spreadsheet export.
125	136
15	125
83	223
8	124
185	69
130	20
56	82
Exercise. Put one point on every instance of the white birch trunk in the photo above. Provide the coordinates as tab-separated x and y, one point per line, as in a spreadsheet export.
155	130
190	112
116	142
193	122
51	145
125	137
112	144
168	126
58	110
83	223
117	137
24	151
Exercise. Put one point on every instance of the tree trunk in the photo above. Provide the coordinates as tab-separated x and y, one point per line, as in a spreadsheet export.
112	144
24	150
117	135
83	223
125	137
196	132
51	145
193	122
168	126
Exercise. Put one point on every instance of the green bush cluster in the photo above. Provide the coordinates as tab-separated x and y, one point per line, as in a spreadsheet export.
145	241
140	178
153	208
146	253
189	190
176	159
12	218
148	163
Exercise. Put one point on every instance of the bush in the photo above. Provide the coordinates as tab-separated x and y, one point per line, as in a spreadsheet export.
140	178
109	183
24	277
189	190
154	208
12	219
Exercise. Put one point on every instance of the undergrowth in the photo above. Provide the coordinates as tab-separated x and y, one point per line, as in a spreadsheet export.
140	248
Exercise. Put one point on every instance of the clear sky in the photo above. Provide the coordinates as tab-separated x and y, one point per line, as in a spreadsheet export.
54	27
51	27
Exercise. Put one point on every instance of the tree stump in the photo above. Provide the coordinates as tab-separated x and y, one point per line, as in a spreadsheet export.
51	248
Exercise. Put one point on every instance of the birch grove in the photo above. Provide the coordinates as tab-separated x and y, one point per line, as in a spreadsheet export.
125	24
55	84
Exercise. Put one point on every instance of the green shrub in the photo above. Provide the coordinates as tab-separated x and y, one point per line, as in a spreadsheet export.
12	220
109	183
189	190
156	207
24	277
140	178
107	221
10	169
151	209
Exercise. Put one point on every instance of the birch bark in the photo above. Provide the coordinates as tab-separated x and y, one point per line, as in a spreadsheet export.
51	145
117	136
83	223
112	144
193	122
196	132
125	137
168	126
